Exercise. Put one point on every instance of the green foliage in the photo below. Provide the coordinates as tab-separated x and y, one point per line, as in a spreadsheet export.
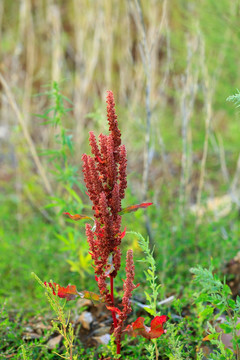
24	353
194	242
69	186
213	294
61	155
152	291
110	349
235	98
176	346
150	274
13	343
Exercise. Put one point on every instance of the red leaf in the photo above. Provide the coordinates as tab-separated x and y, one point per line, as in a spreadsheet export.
123	233
77	216
100	233
68	293
114	309
157	326
100	160
133	208
155	331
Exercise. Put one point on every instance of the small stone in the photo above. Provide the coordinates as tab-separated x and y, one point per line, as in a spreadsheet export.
85	319
104	339
52	343
83	302
28	329
101	331
30	335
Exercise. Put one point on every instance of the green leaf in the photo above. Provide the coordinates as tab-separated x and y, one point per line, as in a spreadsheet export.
226	290
150	272
148	297
73	194
211	337
208	311
226	328
231	304
150	311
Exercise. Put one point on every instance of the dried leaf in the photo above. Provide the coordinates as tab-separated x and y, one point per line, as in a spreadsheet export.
109	266
77	217
133	208
206	338
90	295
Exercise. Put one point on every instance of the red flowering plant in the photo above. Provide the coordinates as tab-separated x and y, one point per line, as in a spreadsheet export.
106	181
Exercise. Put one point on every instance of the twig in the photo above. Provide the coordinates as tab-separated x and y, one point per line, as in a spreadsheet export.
1	18
209	92
145	51
187	104
223	159
85	63
146	59
43	212
28	138
27	36
208	108
236	177
55	24
165	301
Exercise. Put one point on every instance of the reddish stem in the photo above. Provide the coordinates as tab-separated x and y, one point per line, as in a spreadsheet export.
114	314
118	348
112	298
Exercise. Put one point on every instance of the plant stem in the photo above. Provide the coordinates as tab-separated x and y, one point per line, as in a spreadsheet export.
112	298
235	336
114	314
156	349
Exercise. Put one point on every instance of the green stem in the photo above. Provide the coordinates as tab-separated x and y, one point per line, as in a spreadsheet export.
235	336
156	349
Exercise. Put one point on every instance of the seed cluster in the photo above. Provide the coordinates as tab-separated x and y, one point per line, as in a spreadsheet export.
106	180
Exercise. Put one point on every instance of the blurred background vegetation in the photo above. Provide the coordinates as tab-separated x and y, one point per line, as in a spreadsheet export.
171	66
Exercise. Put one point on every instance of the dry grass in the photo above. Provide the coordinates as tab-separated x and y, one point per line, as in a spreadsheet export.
151	54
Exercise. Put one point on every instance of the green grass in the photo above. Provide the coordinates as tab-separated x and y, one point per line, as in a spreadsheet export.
32	245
